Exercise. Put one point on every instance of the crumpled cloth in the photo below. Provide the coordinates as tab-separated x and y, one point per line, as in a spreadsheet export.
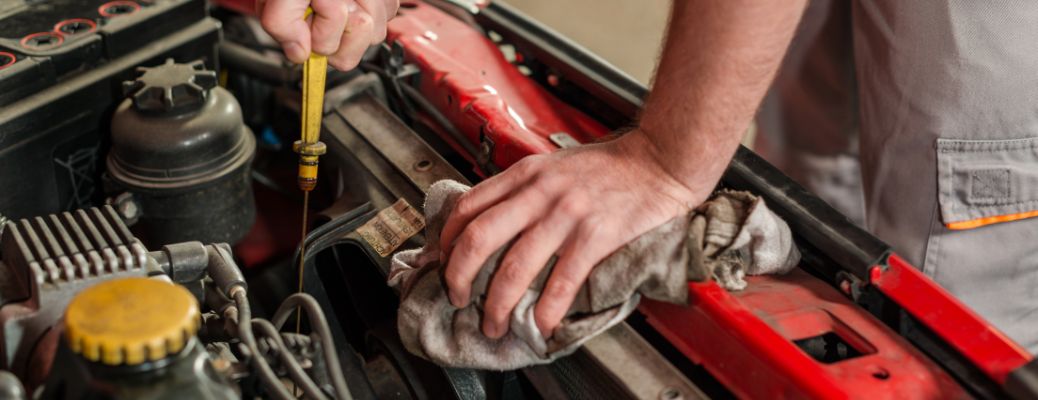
730	235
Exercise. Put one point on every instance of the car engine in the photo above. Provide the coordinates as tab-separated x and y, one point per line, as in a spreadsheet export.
150	241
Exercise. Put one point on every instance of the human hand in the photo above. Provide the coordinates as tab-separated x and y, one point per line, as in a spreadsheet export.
582	204
340	29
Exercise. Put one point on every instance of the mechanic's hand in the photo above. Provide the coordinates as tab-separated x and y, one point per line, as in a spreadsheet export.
340	29
582	204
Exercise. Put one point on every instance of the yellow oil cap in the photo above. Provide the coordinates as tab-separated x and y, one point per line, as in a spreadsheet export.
131	320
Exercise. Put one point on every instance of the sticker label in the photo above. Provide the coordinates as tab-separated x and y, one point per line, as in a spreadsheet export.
391	227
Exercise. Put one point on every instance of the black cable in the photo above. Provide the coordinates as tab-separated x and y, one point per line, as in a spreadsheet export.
298	344
319	323
331	227
323	242
266	374
299	377
253	63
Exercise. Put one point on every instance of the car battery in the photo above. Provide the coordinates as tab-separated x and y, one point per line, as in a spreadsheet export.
62	64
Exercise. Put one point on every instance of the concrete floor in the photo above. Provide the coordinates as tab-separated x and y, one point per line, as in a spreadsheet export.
626	33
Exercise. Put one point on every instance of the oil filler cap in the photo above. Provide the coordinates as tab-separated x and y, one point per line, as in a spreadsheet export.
130	321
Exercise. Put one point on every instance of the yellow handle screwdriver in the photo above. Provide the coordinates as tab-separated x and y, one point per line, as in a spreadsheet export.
309	146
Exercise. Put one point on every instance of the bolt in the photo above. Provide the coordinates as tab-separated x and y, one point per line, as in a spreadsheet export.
119	9
845	286
75	27
221	365
42	40
128	209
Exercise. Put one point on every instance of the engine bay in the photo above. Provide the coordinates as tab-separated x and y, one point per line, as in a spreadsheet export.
151	141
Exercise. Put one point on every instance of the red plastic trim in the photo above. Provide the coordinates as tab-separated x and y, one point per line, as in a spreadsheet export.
10	62
59	25
25	40
103	9
980	342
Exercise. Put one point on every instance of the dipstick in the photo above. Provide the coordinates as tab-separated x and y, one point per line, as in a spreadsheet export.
309	146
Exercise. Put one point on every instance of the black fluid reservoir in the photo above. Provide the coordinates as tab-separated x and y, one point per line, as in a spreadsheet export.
179	145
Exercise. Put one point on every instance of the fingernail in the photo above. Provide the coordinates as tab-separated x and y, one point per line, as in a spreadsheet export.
455	300
491	329
295	51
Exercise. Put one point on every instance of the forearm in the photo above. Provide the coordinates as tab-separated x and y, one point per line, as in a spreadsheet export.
717	63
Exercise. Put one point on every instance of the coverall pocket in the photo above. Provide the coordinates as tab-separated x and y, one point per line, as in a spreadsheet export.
984	248
984	182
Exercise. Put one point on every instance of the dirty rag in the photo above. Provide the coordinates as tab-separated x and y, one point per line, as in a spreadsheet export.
729	236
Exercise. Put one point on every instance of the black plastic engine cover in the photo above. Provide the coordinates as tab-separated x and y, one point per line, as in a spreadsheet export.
61	68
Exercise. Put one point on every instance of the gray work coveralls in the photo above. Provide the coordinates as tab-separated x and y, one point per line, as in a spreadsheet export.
944	120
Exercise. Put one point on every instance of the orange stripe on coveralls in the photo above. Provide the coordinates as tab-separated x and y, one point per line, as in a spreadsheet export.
979	222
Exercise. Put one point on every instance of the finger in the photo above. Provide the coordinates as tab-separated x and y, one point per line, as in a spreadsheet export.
354	41
577	259
485	235
482	197
519	267
283	19
392	6
328	25
377	10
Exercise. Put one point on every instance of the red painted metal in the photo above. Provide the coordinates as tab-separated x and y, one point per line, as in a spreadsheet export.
466	76
242	6
268	239
982	344
745	339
